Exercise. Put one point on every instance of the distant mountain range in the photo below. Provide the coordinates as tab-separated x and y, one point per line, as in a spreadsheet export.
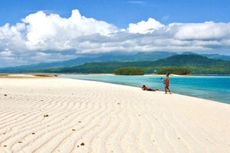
217	56
108	57
151	56
196	64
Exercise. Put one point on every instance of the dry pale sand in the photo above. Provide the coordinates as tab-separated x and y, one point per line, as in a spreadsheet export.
55	115
26	75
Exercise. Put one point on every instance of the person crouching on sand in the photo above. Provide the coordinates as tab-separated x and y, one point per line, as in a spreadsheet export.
166	82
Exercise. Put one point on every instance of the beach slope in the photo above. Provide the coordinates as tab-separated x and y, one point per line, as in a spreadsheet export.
57	115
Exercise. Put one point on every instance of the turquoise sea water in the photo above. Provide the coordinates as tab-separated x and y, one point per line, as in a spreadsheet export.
208	87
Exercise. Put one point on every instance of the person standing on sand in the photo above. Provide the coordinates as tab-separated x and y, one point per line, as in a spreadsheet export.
166	82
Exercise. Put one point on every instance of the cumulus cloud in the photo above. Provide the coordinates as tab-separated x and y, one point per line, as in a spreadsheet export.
144	27
203	31
42	37
54	32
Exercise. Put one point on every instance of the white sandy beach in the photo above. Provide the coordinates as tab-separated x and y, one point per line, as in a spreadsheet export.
57	115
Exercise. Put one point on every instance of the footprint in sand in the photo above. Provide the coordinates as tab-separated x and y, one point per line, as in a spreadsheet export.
46	115
82	144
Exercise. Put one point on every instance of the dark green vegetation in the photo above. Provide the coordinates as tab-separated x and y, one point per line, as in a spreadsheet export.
178	64
129	71
175	70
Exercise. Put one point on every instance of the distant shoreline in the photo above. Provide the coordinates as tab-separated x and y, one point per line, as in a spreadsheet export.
32	75
27	76
153	74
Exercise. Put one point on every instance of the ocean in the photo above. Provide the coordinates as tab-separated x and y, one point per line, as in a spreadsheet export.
215	88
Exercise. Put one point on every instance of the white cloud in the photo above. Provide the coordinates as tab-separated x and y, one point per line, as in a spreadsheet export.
6	53
203	31
42	37
11	37
54	32
144	27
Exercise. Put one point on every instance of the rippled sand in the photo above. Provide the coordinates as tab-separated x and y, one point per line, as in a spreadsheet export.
56	115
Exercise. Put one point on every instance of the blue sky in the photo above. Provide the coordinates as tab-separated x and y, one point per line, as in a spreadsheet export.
34	31
122	12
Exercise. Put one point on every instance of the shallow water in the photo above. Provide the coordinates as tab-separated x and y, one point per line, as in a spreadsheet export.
207	87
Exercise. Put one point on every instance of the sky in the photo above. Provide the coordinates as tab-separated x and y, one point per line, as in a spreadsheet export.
44	31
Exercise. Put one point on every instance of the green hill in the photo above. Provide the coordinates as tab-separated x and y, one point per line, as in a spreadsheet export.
195	64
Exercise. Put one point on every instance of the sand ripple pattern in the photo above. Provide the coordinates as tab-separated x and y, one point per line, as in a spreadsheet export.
72	116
